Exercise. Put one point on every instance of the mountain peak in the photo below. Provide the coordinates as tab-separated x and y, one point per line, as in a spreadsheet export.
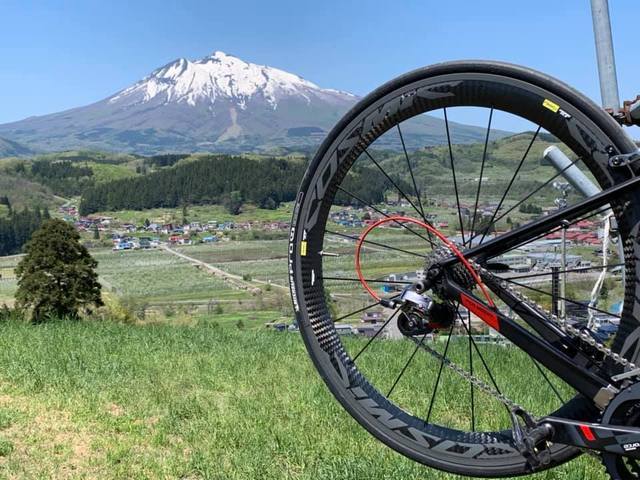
220	55
220	77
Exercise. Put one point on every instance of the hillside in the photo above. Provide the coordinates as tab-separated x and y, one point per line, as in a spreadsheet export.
9	148
25	193
112	181
218	103
39	178
199	400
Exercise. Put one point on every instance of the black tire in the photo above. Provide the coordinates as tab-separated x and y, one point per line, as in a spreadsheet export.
583	126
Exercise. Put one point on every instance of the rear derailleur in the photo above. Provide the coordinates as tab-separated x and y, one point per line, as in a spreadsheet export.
420	314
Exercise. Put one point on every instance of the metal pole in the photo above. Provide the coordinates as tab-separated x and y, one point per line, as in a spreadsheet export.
563	283
555	289
604	54
570	171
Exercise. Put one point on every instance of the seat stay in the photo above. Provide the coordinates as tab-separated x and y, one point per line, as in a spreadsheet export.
514	238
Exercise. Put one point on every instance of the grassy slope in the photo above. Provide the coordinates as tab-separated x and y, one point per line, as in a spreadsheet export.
204	213
24	193
101	400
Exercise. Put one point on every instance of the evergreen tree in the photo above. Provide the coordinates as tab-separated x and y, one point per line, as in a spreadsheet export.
57	276
185	220
16	230
233	202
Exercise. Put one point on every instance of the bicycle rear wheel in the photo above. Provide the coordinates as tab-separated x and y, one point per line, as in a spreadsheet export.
337	180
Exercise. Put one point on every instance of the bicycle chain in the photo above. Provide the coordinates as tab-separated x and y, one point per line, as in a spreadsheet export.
565	327
475	381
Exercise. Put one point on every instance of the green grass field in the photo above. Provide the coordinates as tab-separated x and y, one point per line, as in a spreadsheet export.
104	400
204	213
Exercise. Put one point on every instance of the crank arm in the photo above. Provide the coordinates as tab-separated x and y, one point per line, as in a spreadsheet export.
616	439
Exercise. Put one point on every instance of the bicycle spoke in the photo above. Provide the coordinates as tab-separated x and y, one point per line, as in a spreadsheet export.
536	191
473	409
413	179
453	171
355	197
360	310
378	244
435	387
400	191
544	375
484	158
406	365
477	350
376	334
509	185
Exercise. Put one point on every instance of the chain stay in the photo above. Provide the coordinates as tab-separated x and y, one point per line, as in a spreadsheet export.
568	329
631	369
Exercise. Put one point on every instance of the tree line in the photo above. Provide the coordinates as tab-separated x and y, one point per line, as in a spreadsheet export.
63	177
214	179
220	179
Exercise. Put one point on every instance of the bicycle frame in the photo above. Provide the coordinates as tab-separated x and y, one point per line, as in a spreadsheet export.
553	349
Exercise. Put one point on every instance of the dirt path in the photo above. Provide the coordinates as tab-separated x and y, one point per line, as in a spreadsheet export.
235	280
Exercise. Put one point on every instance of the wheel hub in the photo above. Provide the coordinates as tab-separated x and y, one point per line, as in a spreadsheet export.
458	272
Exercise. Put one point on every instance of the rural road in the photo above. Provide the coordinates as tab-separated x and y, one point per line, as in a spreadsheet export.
235	280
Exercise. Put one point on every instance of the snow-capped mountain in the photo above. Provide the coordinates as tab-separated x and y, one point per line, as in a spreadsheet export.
218	103
222	77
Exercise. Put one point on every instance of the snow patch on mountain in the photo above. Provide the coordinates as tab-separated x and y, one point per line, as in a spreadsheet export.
221	76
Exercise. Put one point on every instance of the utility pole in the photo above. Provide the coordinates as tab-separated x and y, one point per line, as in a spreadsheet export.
605	56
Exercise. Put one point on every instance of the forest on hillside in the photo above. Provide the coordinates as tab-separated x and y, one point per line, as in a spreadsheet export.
17	227
220	179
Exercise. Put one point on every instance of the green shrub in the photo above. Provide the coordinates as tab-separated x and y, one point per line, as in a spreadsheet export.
6	447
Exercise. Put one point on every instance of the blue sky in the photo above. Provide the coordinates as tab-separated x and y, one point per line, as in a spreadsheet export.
58	55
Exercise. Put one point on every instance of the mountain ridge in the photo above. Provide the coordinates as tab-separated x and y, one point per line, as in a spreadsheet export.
218	103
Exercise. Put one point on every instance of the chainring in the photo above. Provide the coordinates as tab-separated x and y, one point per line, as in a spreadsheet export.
623	410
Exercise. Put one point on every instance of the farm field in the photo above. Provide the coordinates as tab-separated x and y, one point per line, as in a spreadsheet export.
156	284
8	284
153	275
112	401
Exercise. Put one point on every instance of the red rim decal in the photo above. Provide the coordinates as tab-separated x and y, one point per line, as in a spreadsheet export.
487	315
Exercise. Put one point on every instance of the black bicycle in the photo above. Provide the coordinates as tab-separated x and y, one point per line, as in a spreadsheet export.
476	281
